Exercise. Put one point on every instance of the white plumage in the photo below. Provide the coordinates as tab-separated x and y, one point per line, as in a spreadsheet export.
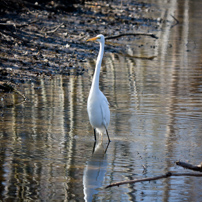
98	106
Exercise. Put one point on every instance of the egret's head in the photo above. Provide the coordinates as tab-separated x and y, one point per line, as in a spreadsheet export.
100	38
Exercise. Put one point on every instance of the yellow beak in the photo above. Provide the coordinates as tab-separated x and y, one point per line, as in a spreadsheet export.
92	39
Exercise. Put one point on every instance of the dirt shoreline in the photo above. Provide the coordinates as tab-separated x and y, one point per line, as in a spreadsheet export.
39	43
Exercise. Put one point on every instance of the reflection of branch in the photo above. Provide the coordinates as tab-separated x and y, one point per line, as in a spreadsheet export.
168	174
131	34
12	105
176	21
190	166
139	57
6	87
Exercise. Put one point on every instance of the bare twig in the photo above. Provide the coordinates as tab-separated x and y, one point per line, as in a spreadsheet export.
190	166
7	24
131	34
168	174
55	29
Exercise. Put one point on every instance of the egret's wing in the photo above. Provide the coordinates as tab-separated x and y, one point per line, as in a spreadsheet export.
105	99
105	111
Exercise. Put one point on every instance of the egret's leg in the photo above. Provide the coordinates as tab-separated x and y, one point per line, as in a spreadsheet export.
94	147
95	134
107	147
108	136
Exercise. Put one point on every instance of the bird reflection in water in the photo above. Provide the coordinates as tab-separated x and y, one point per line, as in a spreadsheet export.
94	172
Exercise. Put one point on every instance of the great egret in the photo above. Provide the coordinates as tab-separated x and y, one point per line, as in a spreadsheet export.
97	105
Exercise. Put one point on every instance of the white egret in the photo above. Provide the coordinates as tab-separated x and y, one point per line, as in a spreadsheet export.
98	106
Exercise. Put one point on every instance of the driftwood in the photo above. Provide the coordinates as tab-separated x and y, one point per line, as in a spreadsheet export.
131	34
190	166
168	174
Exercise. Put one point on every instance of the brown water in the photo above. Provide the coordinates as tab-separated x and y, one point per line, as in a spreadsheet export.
46	143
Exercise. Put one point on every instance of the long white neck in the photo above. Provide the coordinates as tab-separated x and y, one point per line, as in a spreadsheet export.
95	82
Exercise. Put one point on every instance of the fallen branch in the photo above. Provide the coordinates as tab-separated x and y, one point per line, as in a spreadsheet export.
168	174
7	24
131	34
55	29
190	166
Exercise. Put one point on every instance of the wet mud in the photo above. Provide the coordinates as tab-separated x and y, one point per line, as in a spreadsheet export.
38	42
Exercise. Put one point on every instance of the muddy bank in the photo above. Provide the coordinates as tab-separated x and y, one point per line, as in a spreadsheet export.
40	43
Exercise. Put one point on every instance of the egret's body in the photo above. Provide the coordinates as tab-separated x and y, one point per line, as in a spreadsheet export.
98	106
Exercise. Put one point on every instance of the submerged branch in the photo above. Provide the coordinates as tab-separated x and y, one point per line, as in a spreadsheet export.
131	34
168	174
190	166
